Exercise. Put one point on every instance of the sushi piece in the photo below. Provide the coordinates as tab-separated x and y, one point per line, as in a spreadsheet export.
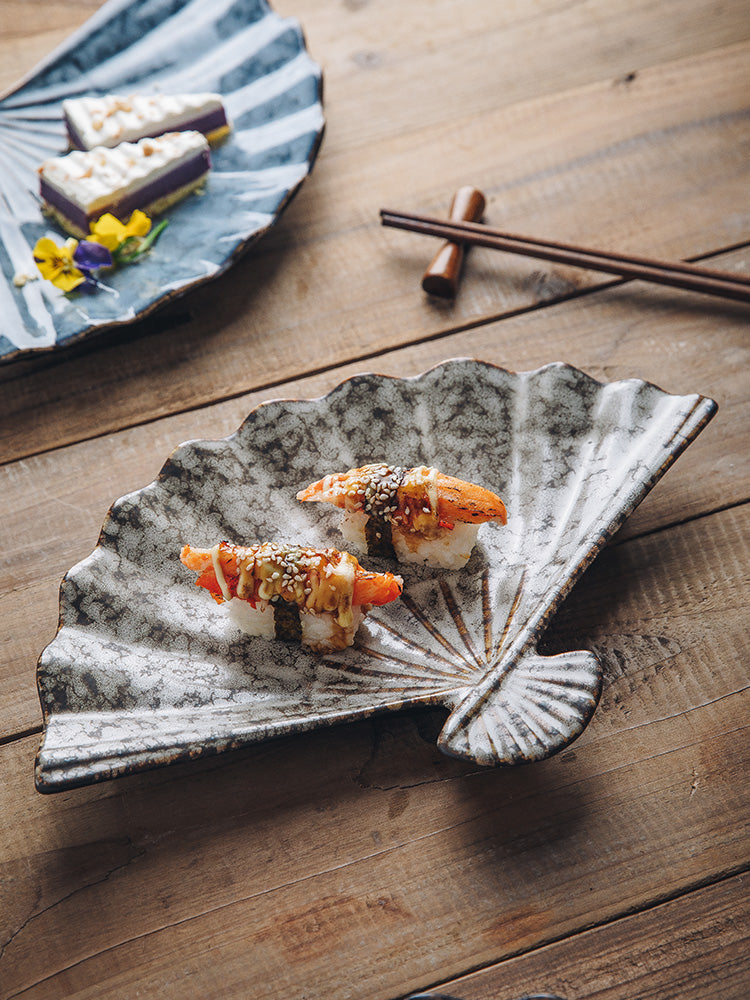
112	119
413	515
78	188
314	596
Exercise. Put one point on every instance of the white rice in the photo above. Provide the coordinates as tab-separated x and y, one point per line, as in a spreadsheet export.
254	621
319	630
321	633
448	550
352	527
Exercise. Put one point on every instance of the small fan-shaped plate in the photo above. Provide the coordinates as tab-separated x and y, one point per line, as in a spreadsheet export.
272	92
146	668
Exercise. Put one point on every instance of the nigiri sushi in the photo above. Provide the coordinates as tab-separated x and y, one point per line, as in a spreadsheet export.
413	515
314	596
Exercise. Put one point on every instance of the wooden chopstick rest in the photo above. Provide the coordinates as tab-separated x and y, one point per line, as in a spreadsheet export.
442	276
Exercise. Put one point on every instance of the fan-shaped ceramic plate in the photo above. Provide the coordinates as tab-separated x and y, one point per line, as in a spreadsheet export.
147	669
272	92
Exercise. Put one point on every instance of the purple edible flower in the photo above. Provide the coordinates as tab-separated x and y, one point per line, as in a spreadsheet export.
91	256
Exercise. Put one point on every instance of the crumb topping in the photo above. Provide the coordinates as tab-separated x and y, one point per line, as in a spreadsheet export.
314	579
94	179
108	119
405	498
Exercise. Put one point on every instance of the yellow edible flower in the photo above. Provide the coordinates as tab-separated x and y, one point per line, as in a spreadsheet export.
56	263
112	233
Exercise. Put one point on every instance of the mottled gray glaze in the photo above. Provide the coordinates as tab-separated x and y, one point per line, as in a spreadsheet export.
272	93
146	668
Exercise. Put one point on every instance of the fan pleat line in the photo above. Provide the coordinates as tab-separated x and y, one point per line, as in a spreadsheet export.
261	92
435	632
418	670
487	616
242	48
421	679
455	613
535	719
497	747
510	617
413	644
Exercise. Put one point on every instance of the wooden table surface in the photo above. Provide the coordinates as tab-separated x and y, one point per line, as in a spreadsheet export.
357	861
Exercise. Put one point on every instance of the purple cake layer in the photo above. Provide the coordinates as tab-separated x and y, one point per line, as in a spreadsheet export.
183	174
208	122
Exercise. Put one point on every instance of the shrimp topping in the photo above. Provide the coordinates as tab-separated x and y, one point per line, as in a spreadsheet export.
318	580
420	500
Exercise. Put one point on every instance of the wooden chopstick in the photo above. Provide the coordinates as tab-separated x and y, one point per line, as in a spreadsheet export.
679	274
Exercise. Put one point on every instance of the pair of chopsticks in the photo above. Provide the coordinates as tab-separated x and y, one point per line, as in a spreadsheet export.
678	275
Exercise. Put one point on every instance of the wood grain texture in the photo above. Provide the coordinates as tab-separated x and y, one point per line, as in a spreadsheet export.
506	53
688	949
116	885
603	333
460	866
31	29
599	164
359	861
444	67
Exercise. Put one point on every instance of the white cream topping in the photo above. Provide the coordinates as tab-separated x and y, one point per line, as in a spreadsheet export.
109	120
219	571
100	176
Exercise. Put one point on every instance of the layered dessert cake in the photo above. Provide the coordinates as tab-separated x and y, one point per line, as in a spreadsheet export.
78	188
110	120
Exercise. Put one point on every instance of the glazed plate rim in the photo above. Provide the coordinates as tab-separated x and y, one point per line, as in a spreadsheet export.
130	310
700	412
